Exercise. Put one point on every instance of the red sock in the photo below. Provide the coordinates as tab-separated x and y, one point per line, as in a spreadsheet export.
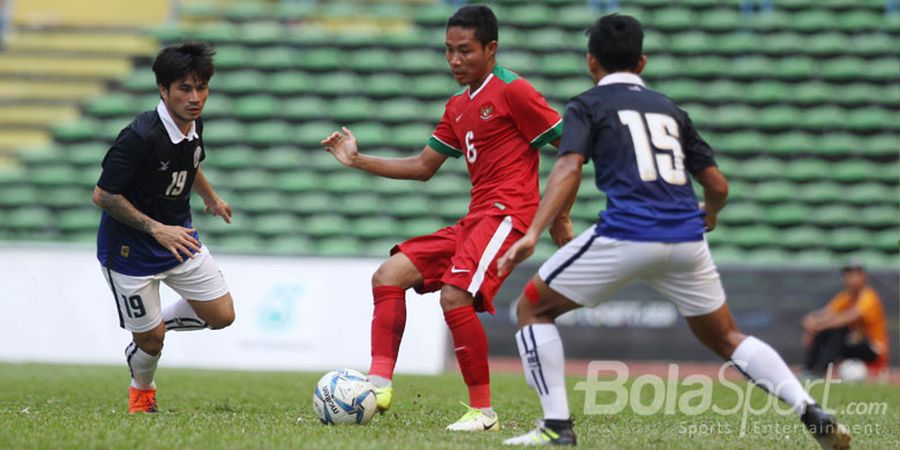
471	346
388	322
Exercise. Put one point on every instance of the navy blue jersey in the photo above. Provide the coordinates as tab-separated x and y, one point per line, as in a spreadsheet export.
156	176
644	149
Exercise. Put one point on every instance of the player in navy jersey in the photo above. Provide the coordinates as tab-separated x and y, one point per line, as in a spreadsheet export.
645	150
146	235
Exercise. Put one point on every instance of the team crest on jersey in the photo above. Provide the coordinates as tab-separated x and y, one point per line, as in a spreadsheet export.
124	251
487	111
197	152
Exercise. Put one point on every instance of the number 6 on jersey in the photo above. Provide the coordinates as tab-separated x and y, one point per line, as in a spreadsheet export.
664	136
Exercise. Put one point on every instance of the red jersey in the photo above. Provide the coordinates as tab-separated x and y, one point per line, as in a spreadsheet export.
499	129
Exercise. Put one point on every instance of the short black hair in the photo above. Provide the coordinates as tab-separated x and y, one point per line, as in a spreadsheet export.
478	17
617	42
181	60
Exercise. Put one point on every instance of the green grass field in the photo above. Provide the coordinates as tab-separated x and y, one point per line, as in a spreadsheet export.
57	406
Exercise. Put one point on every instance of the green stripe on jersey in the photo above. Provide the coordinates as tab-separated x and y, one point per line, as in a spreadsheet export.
548	136
443	148
504	74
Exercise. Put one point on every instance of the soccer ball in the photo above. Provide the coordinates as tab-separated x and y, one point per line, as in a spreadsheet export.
853	370
344	396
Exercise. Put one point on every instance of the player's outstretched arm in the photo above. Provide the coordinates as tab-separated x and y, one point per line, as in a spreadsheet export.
343	145
176	239
214	204
562	186
715	193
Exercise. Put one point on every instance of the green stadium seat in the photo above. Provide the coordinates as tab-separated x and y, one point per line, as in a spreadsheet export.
775	117
339	83
247	244
673	18
870	119
374	227
853	170
721	19
741	213
239	82
419	61
21	195
879	216
813	92
249	180
270	133
742	142
754	236
78	220
839	144
547	39
818	257
231	57
848	239
363	204
351	109
888	241
302	108
869	193
255	107
774	191
824	117
793	143
320	59
833	215
67	197
803	237
218	106
288	159
290	83
399	110
787	214
382	85
30	218
767	256
410	207
278	224
432	86
260	202
807	169
370	134
339	246
761	168
262	32
326	225
765	91
280	58
346	182
310	134
290	245
112	105
421	227
813	20
411	136
53	176
370	60
223	132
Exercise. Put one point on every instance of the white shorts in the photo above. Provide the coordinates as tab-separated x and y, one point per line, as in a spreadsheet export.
590	269
137	298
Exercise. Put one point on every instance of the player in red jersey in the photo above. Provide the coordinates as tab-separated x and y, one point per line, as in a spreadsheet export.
497	123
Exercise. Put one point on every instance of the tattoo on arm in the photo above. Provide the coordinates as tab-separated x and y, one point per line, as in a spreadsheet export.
122	210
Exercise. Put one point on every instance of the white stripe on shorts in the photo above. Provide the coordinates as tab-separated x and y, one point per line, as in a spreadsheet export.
490	252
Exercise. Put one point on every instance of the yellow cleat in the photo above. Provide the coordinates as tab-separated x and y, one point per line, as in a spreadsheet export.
475	420
383	397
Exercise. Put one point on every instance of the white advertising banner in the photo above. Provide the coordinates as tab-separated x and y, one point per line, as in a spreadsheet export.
292	314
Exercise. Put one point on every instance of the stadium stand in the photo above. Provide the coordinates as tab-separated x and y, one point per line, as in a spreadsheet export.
800	103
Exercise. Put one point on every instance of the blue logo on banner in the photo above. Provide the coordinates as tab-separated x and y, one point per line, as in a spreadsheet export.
276	310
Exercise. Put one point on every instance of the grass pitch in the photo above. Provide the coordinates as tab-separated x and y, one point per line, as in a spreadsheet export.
64	406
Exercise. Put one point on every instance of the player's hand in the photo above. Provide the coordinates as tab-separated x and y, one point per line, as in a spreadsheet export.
176	239
710	220
219	207
342	146
520	251
561	230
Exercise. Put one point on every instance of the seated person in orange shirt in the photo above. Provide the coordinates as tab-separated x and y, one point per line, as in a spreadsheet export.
852	325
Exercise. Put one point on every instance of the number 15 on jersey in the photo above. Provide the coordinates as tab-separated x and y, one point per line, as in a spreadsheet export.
664	138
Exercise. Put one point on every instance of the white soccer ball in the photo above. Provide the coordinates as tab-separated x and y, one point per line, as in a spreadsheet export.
853	370
344	396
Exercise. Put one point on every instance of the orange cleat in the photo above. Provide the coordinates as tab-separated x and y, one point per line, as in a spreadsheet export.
141	401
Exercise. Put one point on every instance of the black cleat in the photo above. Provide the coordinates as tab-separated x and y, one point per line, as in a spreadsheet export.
825	429
543	435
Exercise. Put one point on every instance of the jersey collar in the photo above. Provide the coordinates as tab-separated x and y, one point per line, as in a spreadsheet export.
175	134
483	84
621	77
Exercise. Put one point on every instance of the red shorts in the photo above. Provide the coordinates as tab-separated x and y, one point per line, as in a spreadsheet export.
464	255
